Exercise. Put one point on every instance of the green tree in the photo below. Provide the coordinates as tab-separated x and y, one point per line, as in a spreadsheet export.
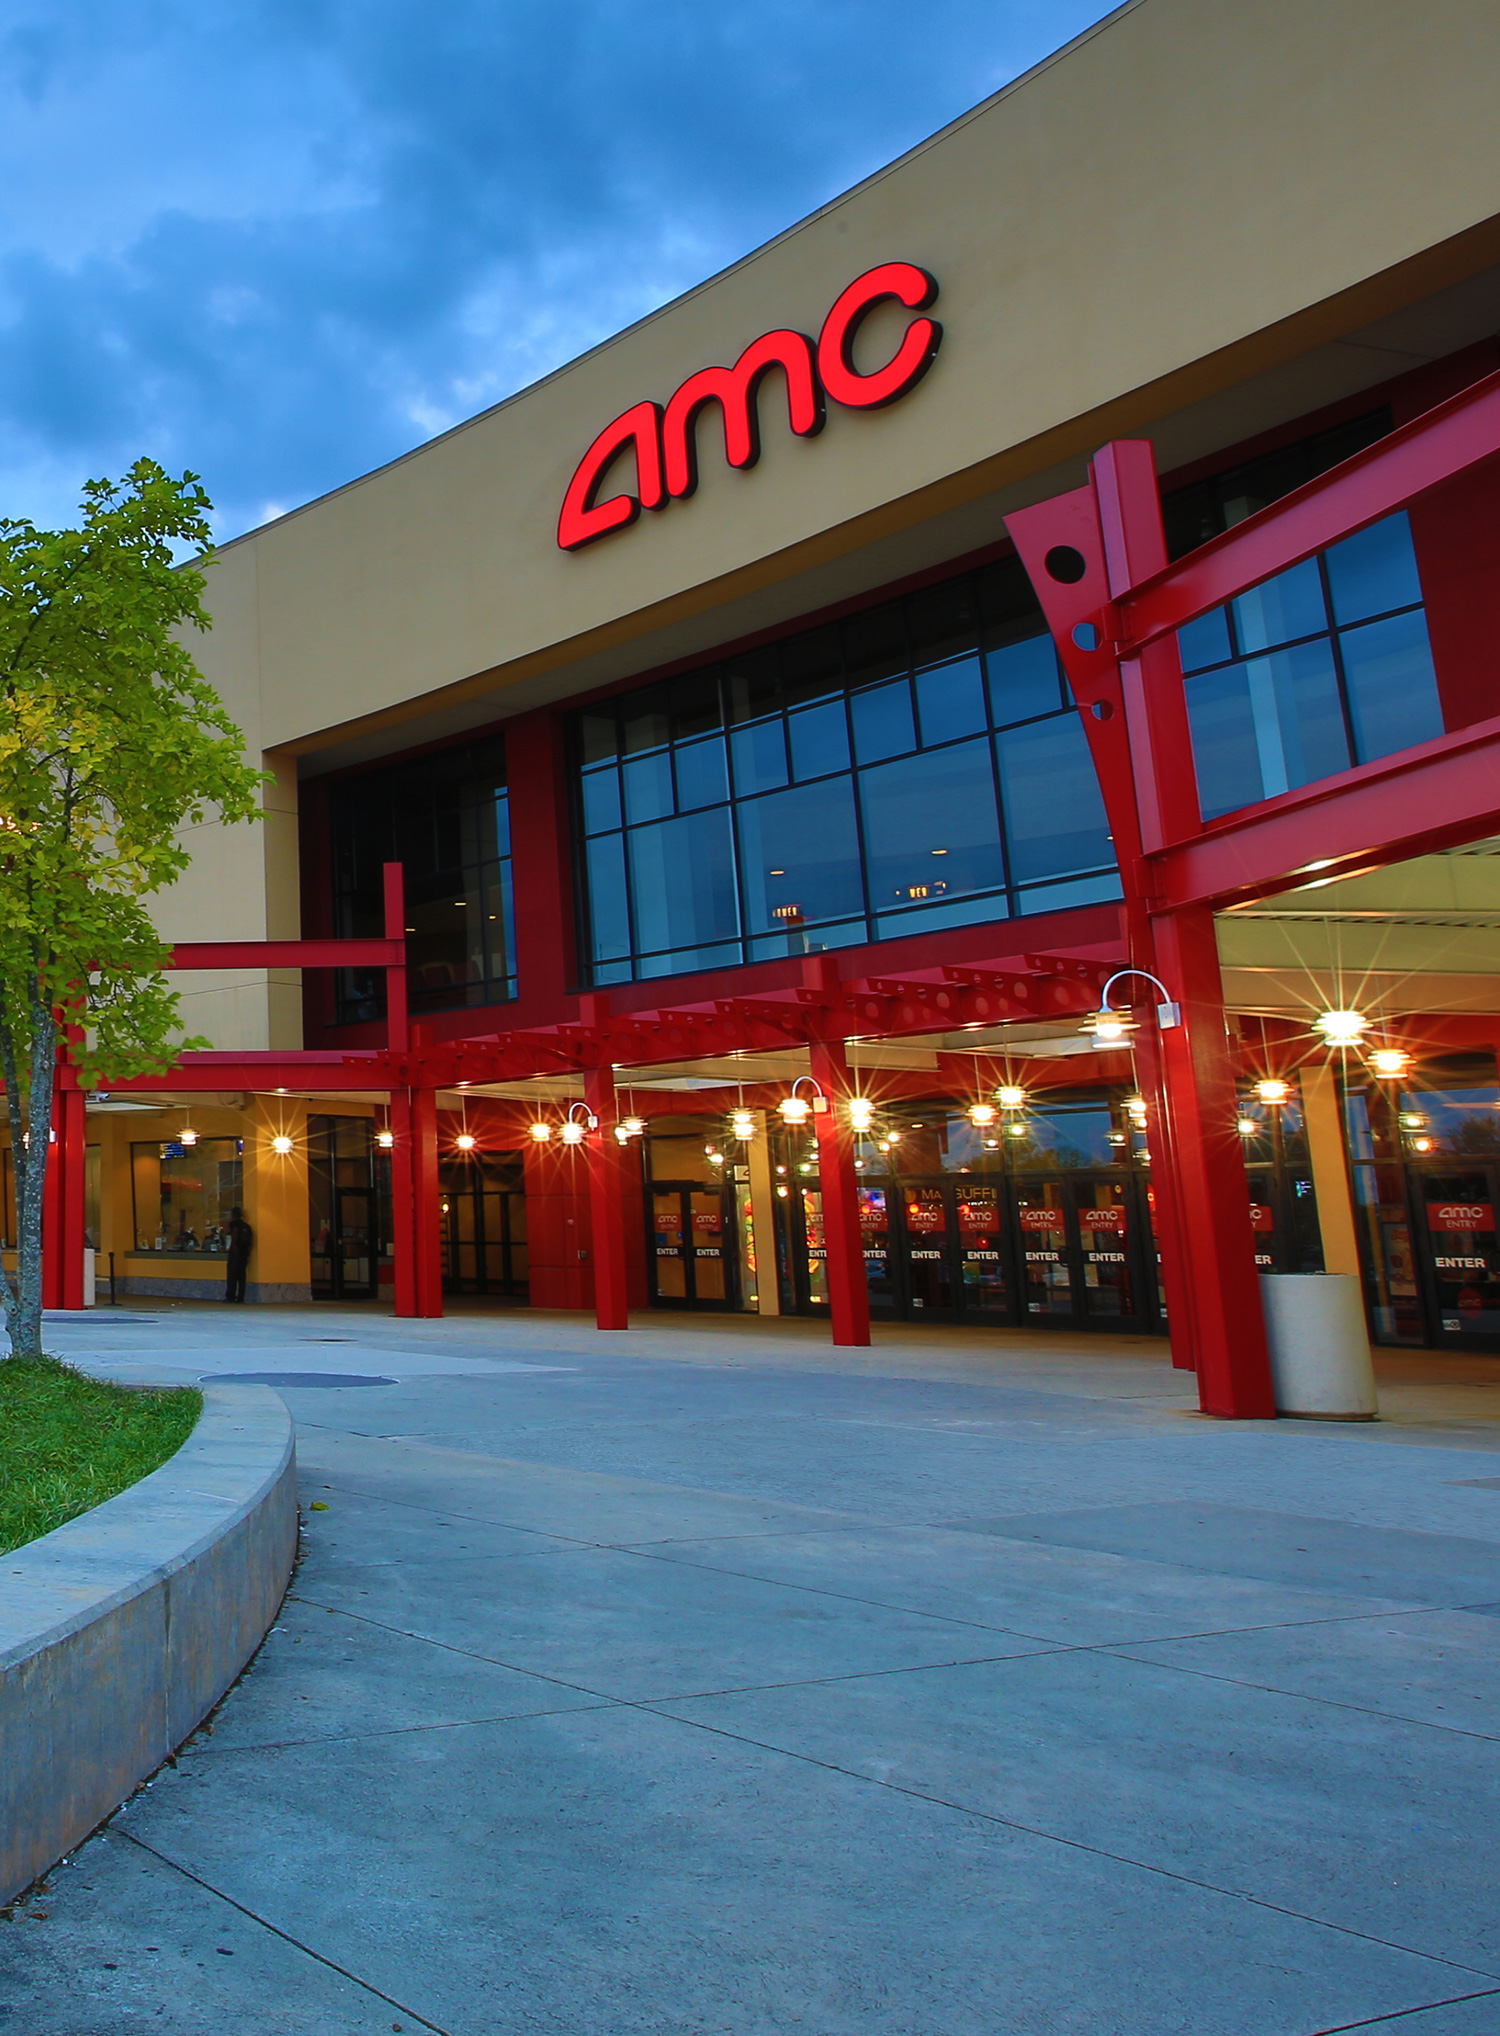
111	741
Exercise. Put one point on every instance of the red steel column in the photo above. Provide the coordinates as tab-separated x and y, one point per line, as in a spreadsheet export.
848	1288
397	1036
403	1206
606	1202
426	1198
52	1225
71	1150
1234	1370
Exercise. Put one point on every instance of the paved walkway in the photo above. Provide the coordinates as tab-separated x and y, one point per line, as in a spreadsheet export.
703	1680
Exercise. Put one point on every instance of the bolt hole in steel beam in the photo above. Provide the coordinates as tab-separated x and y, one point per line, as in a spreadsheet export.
1065	564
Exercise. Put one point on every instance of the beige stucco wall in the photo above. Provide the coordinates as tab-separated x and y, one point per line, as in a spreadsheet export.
1191	195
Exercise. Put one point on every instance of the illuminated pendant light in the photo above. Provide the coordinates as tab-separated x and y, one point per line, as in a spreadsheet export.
385	1140
1010	1097
981	1113
466	1141
1108	1028
1273	1090
281	1144
742	1123
187	1136
1341	1028
1247	1127
795	1109
861	1113
1390	1061
541	1131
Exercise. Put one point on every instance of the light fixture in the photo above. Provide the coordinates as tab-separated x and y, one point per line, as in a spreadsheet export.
1413	1120
1341	1028
1136	1108
187	1136
895	1138
1421	1145
1010	1097
713	1152
795	1109
1273	1089
541	1131
466	1141
1390	1060
385	1140
1247	1127
281	1143
633	1127
981	1113
861	1113
783	1190
1115	1137
716	1159
575	1128
622	1136
742	1124
1108	1027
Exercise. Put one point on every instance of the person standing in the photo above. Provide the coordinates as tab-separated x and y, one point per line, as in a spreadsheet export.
239	1238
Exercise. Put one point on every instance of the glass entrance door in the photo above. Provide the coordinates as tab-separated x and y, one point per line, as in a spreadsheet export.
341	1208
1457	1254
931	1287
986	1290
691	1242
1046	1259
484	1224
875	1235
1107	1251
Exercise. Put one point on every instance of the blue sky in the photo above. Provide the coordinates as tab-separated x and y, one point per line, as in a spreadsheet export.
281	241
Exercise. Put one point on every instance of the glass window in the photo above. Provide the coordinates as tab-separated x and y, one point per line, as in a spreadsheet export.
883	724
1054	815
759	756
648	786
931	829
1206	641
1374	571
682	887
1025	680
820	739
950	701
861	798
601	800
1393	695
184	1193
799	856
702	774
609	915
1224	747
1281	610
446	818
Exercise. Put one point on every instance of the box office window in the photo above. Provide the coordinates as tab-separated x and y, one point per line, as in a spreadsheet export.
446	819
913	766
183	1194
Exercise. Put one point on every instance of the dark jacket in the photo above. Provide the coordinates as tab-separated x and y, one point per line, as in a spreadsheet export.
239	1237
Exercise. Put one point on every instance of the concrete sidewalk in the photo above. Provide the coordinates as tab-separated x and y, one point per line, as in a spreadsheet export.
702	1679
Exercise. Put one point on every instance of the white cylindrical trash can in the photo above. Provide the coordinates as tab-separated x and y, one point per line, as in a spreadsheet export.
1320	1346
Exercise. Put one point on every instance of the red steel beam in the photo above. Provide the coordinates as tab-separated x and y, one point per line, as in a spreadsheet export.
286	954
1406	464
1439	795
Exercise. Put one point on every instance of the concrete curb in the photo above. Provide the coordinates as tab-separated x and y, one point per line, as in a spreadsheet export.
120	1631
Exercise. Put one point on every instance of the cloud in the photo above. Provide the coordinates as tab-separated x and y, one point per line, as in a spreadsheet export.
281	241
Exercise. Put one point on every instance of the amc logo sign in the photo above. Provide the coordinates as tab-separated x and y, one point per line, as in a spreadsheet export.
665	441
1460	1216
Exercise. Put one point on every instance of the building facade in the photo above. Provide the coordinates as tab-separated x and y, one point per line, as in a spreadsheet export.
709	687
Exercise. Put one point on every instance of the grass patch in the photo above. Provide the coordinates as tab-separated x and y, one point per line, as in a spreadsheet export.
68	1442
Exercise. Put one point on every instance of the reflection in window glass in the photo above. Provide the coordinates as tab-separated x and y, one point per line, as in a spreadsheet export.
861	798
1054	815
1393	695
799	857
1318	698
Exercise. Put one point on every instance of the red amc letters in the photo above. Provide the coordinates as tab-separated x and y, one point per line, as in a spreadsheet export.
665	441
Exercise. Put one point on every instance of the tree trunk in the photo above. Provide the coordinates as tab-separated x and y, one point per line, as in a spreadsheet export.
31	1139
